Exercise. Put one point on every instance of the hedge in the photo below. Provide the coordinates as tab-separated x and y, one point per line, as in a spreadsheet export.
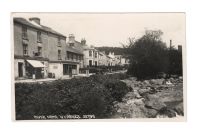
92	95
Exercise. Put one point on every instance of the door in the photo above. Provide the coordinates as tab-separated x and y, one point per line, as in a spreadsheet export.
20	69
38	73
95	63
70	71
90	63
65	69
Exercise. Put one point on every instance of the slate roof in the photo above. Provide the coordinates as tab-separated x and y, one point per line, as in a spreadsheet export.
40	27
73	50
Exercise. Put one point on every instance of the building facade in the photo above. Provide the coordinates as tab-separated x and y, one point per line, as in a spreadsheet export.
104	60
41	52
78	46
121	60
91	57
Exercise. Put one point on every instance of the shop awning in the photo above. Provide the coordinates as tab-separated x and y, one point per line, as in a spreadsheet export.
35	63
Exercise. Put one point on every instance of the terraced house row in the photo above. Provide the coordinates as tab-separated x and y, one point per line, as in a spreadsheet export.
41	52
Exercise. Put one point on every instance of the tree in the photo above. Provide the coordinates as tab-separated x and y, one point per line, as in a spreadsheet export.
148	55
175	59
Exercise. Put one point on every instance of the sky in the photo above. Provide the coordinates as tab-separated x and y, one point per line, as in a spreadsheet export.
113	29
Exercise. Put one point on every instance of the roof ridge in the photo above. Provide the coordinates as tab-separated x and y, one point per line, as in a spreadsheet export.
43	27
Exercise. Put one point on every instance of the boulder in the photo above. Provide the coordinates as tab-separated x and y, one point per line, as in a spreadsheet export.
143	91
168	82
137	111
146	82
151	113
170	113
139	101
153	102
129	95
137	95
179	109
119	111
136	88
157	105
180	77
131	101
157	81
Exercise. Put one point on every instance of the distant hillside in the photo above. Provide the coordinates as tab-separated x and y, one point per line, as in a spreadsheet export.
116	50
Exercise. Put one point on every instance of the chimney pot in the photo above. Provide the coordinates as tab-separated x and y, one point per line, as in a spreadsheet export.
71	38
83	41
35	19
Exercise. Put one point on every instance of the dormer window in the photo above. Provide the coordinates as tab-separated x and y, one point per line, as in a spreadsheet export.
39	38
24	33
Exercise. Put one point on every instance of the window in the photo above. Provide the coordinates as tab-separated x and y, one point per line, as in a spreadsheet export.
69	69
74	57
77	57
39	38
24	33
65	69
39	51
25	49
95	63
71	44
95	55
59	54
71	56
59	42
90	63
90	53
67	53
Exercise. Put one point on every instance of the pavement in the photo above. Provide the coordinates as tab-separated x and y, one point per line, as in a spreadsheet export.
34	80
52	79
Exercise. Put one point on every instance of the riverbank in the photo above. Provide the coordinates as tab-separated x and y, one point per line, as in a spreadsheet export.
155	98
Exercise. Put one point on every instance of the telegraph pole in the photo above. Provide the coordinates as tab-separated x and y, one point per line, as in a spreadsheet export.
170	60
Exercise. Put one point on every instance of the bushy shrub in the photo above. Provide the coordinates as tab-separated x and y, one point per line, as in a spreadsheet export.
92	95
117	89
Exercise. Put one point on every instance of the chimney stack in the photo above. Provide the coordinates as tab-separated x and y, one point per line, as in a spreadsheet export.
179	48
71	38
83	41
35	19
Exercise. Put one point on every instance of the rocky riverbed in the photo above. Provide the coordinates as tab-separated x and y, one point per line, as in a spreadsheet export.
153	98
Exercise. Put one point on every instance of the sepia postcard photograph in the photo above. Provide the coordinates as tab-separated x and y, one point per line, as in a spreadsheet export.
99	66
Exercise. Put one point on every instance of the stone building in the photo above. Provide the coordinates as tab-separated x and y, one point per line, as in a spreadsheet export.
78	46
91	56
41	52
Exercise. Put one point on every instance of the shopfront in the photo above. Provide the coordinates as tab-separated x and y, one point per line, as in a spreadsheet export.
35	69
69	69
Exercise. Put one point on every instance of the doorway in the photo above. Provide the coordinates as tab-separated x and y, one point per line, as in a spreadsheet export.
20	69
90	63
